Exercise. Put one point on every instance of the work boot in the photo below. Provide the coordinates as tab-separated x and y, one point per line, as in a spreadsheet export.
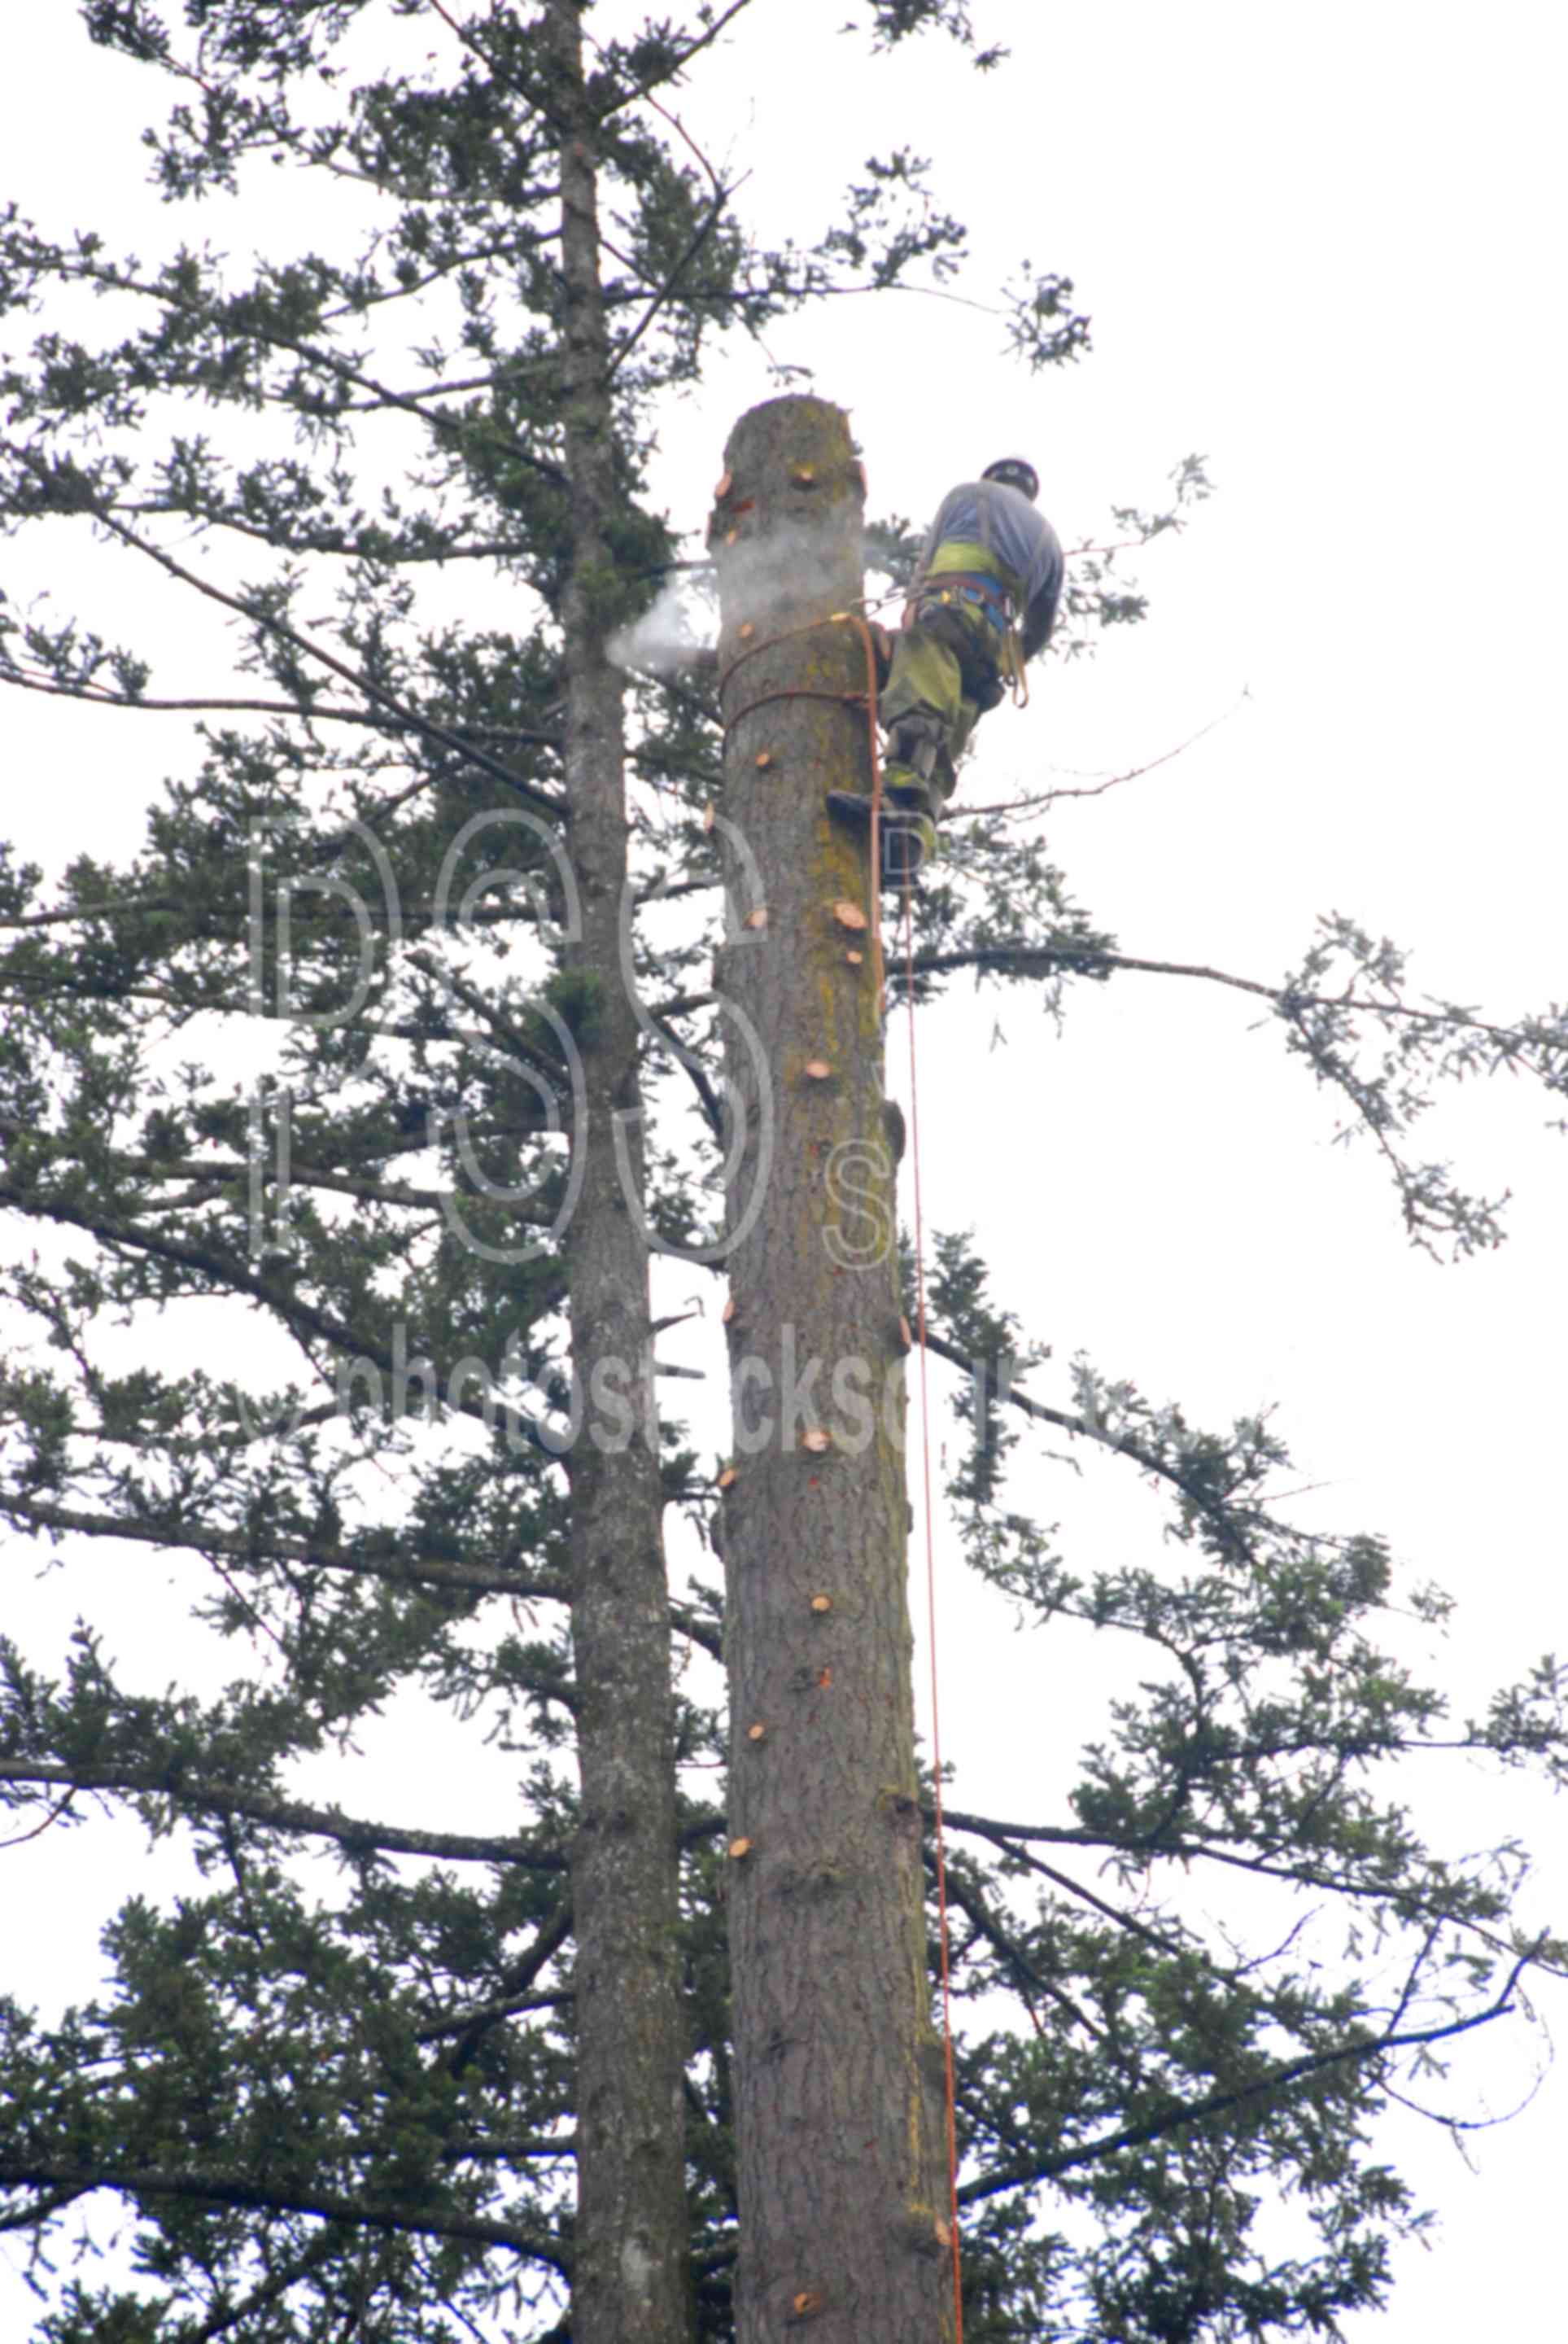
906	831
915	743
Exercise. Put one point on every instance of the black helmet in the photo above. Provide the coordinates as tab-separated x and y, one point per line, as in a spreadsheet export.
1014	473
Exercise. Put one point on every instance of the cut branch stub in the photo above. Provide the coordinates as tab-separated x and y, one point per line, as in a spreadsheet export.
849	916
816	1439
818	1069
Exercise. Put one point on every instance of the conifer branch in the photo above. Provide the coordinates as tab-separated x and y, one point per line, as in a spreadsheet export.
1277	2079
229	1273
177	1532
248	2195
108	278
67	490
356	1835
677	66
267	2291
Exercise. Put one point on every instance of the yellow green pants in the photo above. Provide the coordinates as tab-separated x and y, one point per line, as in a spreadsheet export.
944	666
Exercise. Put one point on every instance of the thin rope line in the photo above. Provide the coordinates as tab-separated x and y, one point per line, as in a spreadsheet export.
931	1635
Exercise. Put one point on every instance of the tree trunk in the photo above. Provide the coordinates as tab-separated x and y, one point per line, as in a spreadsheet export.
631	2277
838	2074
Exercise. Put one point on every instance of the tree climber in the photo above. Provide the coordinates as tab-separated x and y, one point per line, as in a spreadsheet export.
984	603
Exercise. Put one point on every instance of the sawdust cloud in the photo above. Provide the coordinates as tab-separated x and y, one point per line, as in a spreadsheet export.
680	627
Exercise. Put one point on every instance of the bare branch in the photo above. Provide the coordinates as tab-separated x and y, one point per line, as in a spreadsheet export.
1112	781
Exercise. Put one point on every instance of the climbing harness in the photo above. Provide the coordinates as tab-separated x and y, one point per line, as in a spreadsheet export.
989	593
992	599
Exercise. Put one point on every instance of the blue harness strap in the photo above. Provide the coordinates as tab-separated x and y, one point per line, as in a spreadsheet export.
987	594
982	668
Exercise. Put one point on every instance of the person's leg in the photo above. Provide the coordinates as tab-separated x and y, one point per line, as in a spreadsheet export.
929	714
923	713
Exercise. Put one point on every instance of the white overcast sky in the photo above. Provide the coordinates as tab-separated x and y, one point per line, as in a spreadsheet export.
1322	248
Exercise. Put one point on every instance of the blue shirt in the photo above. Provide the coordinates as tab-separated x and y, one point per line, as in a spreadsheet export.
1020	545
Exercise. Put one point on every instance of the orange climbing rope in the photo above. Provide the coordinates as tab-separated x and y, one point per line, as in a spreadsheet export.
855	699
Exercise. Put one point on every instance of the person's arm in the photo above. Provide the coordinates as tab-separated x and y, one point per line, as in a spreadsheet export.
1040	617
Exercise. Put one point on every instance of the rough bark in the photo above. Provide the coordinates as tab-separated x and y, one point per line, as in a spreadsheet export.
838	2073
629	2273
